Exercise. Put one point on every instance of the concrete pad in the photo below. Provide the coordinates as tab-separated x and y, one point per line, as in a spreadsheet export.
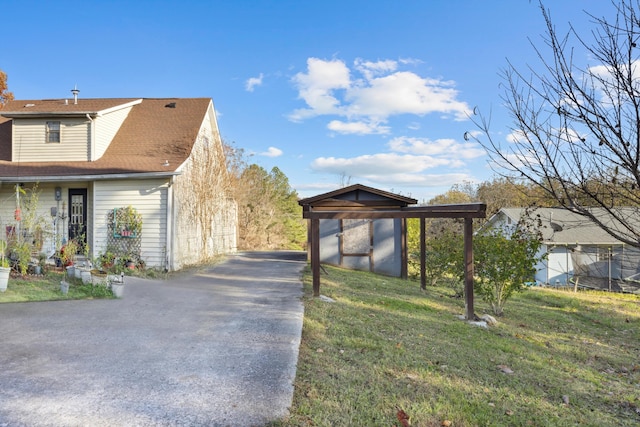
216	348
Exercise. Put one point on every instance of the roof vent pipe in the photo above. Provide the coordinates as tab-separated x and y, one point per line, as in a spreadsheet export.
75	91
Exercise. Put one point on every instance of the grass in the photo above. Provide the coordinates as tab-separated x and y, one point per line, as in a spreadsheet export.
47	288
33	288
556	358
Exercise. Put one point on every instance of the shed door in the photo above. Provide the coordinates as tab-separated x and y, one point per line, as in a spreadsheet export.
357	243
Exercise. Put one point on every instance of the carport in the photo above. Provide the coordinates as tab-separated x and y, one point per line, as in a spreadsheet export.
317	208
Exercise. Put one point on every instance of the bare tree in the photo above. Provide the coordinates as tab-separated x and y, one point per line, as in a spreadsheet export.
576	128
206	195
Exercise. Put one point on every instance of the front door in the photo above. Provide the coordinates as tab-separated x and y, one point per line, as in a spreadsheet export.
78	214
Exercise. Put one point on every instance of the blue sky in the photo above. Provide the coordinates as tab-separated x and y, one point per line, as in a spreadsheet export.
331	92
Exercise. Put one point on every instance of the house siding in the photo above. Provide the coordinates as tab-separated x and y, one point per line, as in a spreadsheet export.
557	268
106	128
149	197
112	130
57	225
189	246
29	136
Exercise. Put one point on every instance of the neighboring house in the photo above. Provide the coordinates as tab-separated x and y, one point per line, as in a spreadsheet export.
91	156
376	245
577	249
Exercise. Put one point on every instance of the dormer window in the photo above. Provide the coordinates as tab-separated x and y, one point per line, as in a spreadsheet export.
53	132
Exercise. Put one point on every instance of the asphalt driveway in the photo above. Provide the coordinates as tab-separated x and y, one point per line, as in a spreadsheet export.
216	348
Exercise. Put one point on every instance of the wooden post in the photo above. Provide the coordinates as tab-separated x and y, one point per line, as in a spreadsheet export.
315	255
404	254
468	268
423	254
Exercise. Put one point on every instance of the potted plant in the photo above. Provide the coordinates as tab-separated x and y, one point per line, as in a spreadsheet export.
5	269
98	277
20	252
42	260
85	275
126	222
68	253
106	260
116	282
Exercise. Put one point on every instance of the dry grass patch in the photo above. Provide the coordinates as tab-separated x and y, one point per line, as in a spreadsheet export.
556	358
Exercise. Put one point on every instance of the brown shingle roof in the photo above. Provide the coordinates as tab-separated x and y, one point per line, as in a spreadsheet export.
58	106
355	192
152	134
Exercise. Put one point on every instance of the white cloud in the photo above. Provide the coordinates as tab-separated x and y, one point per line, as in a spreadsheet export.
317	86
370	69
358	128
409	61
443	147
422	180
374	164
388	170
272	152
407	163
404	92
327	88
253	82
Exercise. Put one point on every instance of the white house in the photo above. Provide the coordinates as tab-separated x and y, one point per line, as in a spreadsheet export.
576	248
91	156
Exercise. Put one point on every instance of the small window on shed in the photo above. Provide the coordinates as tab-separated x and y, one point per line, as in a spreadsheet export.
53	132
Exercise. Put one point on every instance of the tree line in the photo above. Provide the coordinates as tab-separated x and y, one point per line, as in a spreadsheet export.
269	216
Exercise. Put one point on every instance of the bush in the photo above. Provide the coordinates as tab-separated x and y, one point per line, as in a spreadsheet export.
503	264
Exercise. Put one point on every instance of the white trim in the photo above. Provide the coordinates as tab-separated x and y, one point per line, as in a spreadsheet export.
66	178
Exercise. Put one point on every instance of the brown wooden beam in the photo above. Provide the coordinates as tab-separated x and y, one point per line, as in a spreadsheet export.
404	251
376	214
468	269
423	254
315	256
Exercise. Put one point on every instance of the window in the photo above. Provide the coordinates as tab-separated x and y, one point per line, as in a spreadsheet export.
604	254
53	132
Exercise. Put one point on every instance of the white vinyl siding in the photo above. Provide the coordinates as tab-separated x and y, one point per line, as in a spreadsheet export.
30	136
56	226
189	247
106	128
149	197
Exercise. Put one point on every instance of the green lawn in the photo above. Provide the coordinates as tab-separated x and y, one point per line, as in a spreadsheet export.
47	288
556	358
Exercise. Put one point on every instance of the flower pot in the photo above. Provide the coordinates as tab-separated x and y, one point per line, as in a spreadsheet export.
4	278
98	277
71	271
64	287
37	270
85	275
117	289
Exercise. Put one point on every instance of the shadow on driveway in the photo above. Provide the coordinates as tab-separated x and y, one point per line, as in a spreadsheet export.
216	348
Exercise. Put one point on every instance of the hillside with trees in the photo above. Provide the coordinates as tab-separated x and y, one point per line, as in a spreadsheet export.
269	216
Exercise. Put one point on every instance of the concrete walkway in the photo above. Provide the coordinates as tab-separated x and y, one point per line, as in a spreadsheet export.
217	348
